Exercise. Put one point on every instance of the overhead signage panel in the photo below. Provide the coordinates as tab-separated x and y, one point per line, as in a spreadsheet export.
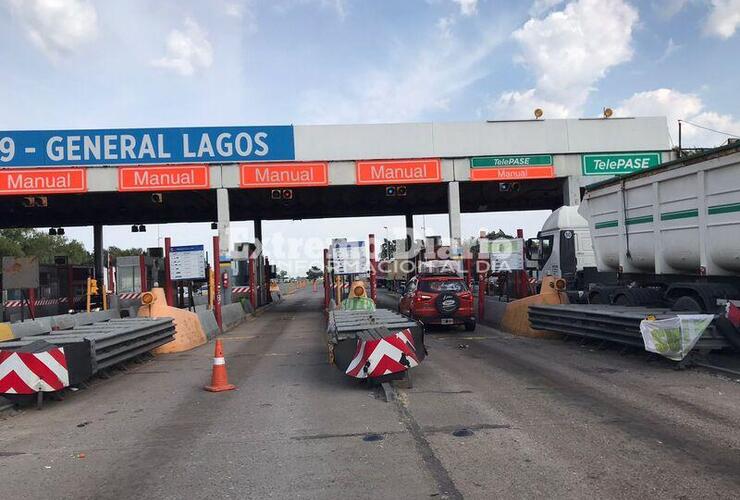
263	175
495	168
399	171
187	262
619	164
44	148
165	178
42	181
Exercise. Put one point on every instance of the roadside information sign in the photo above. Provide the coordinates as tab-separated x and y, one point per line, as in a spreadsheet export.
142	146
187	263
349	257
20	273
505	254
493	168
618	164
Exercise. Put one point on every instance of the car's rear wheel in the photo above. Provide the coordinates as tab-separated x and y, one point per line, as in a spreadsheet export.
469	326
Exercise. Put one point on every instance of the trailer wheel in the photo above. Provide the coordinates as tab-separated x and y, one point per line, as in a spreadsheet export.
687	304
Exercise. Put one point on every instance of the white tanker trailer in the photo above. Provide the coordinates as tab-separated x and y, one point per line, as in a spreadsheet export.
668	236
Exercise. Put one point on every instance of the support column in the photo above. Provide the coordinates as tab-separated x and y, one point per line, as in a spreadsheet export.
224	239
453	208
373	269
259	263
571	191
224	223
168	292
98	258
409	230
143	278
216	284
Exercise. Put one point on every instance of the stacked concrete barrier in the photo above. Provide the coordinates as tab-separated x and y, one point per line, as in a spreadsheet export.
232	315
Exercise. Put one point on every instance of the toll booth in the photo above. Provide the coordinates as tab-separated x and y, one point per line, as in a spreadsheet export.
62	287
130	269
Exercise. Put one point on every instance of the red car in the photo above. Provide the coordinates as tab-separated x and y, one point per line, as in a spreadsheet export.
438	300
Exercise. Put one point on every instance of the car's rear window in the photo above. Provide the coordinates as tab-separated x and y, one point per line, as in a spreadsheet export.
442	286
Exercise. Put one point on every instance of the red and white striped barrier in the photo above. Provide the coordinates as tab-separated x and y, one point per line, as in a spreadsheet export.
31	372
129	296
239	289
375	358
39	302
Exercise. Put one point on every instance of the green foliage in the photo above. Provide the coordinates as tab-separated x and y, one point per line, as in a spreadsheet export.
314	273
123	252
30	242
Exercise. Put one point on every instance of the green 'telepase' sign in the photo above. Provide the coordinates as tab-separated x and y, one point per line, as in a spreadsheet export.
616	164
511	161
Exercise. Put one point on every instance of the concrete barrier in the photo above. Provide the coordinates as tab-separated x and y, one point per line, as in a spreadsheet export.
516	318
31	327
232	315
188	330
208	322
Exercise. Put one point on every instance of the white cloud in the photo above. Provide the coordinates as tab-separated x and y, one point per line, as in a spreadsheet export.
724	18
57	27
417	81
540	7
568	52
676	105
187	51
669	8
670	48
467	7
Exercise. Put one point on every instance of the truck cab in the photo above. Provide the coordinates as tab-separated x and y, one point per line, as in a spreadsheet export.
563	246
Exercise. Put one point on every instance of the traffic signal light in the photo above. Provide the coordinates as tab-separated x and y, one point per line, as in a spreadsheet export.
395	190
93	286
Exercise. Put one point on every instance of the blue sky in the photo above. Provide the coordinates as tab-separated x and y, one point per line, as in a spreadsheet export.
91	64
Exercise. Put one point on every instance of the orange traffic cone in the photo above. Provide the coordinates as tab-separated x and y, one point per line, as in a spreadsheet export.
219	379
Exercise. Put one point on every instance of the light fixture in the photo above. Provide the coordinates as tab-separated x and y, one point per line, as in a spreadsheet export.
287	194
52	231
538	113
60	231
214	225
157	197
608	112
275	194
134	228
142	228
390	190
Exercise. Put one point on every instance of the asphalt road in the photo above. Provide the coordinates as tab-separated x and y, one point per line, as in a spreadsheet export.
548	420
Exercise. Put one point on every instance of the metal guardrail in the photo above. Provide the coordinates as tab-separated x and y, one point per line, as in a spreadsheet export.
619	324
347	324
110	342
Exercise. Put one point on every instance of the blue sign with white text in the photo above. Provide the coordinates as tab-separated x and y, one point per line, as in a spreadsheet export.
140	146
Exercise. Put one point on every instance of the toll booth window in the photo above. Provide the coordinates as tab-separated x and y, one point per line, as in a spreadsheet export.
546	247
128	279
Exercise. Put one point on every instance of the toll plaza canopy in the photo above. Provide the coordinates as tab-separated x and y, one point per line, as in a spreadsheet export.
96	177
